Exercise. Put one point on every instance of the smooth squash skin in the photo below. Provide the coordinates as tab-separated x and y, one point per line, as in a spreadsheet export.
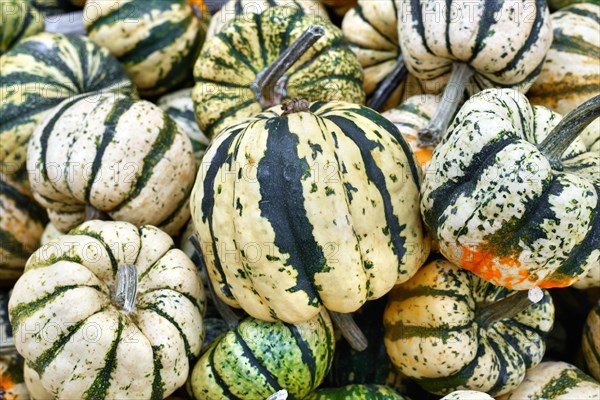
590	343
19	20
357	392
467	395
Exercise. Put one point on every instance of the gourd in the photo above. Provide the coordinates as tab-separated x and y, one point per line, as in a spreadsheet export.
558	4
570	75
128	283
339	7
591	136
515	198
159	48
453	45
19	20
235	8
308	205
50	233
467	395
555	381
34	385
450	330
257	358
22	222
55	7
591	342
258	62
39	73
357	392
133	163
180	107
589	280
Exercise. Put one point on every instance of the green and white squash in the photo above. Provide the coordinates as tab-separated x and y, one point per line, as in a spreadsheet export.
513	195
158	49
132	162
357	392
54	7
39	73
237	77
591	136
128	283
318	205
590	280
570	74
555	381
50	233
450	330
558	4
19	20
590	343
257	359
180	107
244	8
34	385
467	395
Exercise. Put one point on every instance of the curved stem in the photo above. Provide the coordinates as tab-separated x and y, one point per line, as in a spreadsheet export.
264	85
568	129
229	316
126	287
92	213
434	131
351	332
388	85
509	306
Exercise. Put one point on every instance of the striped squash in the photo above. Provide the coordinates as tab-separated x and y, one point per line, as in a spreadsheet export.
438	331
132	162
19	20
339	7
258	358
511	212
589	280
231	61
50	234
467	395
590	343
136	344
570	74
55	7
311	208
591	136
180	107
22	222
39	73
158	49
558	4
12	382
244	8
357	392
555	381
34	385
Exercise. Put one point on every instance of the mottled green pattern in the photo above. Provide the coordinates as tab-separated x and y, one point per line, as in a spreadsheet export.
558	4
357	392
18	21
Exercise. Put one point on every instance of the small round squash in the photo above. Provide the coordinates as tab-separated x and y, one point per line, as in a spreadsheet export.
591	342
356	392
19	20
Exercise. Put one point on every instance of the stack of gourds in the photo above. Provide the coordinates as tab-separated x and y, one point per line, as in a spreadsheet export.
303	199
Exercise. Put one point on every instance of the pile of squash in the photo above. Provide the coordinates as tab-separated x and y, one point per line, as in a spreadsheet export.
300	199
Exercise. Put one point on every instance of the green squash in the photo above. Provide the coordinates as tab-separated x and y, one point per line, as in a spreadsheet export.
39	73
19	20
229	70
443	329
591	342
357	392
257	359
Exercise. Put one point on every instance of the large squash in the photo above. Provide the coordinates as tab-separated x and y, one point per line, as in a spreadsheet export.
450	330
156	40
514	196
39	73
590	343
309	208
356	392
19	20
570	74
232	70
118	155
109	311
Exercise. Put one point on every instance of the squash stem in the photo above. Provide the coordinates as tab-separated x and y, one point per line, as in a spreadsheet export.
266	82
229	316
92	213
509	306
567	130
389	84
351	332
432	133
126	287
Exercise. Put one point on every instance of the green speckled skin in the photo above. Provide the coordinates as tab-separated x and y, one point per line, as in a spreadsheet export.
558	4
19	20
357	392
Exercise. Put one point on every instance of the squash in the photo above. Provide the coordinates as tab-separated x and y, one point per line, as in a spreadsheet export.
503	203
50	234
591	342
134	163
236	8
19	20
49	8
39	73
339	7
159	49
450	330
129	283
570	73
237	75
467	395
555	381
12	383
34	385
356	392
591	136
313	207
457	45
180	107
558	4
589	280
22	222
372	30
258	358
